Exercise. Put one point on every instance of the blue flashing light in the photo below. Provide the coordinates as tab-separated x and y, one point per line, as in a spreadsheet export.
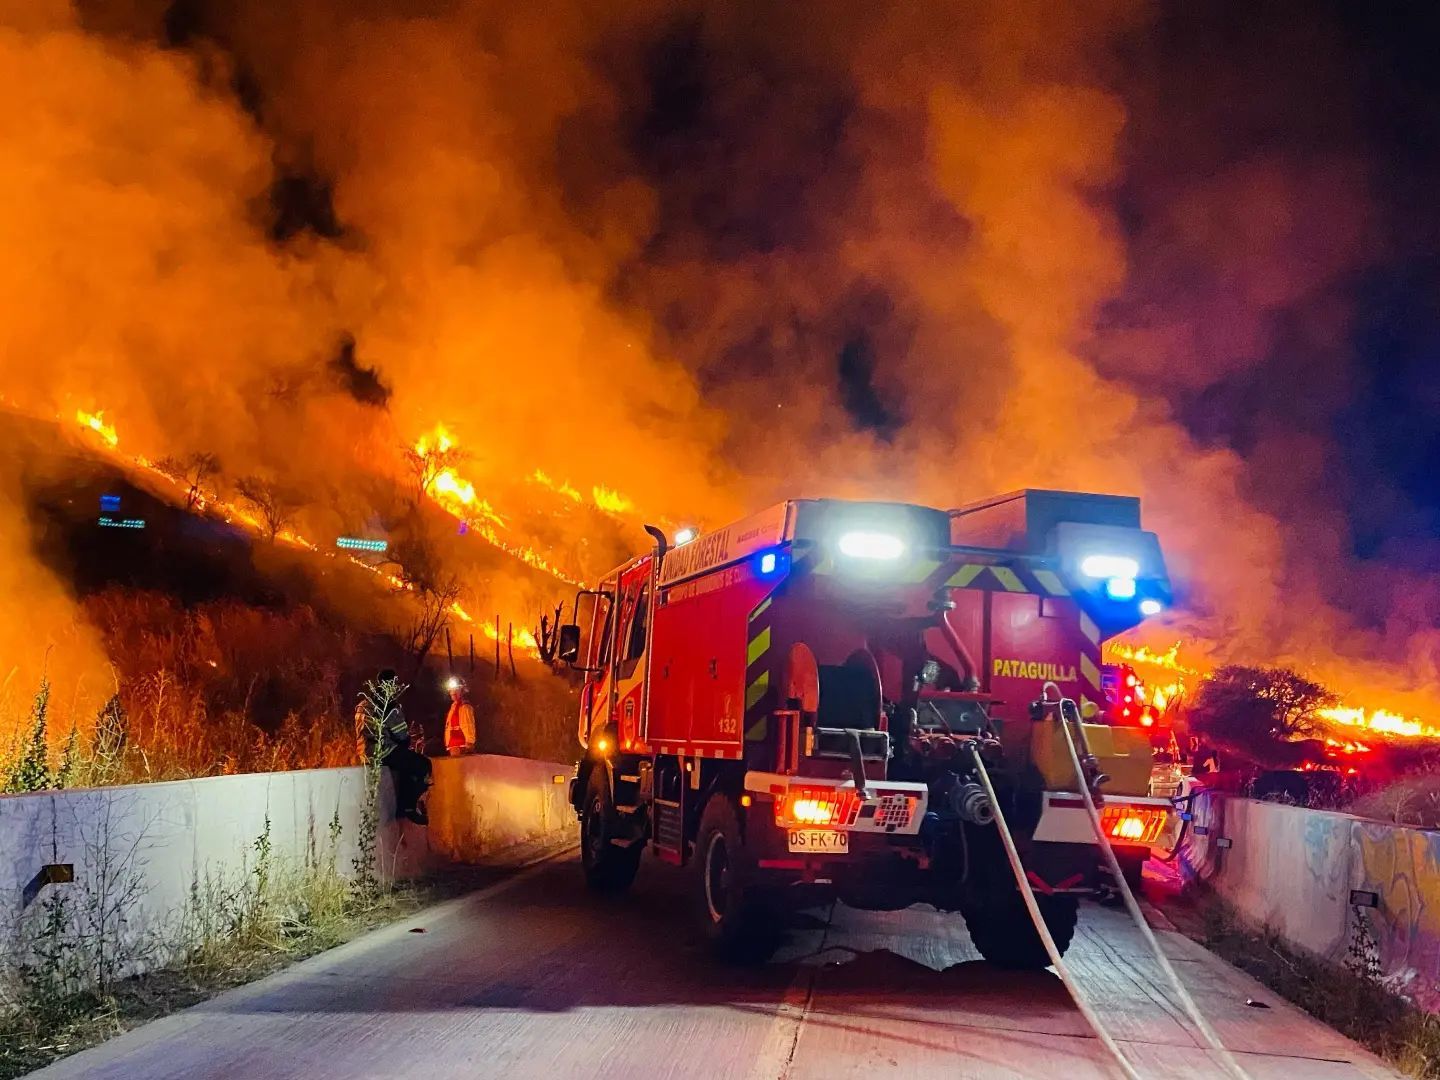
1151	606
109	504
355	543
122	523
1120	588
770	563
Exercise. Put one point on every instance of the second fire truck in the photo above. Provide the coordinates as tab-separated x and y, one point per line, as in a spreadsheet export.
802	704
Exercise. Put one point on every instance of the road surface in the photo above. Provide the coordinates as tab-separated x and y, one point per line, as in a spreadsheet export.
533	977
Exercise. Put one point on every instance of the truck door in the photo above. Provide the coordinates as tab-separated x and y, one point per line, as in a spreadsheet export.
629	667
595	695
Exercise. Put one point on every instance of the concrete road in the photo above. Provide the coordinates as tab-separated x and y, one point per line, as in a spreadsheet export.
535	978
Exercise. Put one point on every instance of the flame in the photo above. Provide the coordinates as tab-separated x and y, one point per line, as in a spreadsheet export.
1143	654
439	441
612	502
1347	747
96	422
1381	720
562	488
523	637
458	496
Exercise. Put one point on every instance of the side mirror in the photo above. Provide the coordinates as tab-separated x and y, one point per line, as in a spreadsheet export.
568	649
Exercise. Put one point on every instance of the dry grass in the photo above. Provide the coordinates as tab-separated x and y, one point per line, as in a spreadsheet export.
1409	800
227	687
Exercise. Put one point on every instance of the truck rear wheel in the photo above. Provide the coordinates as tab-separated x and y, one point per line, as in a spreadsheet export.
729	906
608	867
1004	934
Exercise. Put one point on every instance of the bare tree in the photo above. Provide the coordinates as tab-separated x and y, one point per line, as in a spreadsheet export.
418	567
275	505
194	471
425	465
547	636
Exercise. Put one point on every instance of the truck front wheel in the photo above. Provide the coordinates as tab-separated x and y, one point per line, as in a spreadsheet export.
1005	935
608	867
729	906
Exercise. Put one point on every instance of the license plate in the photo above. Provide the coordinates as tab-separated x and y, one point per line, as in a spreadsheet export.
819	841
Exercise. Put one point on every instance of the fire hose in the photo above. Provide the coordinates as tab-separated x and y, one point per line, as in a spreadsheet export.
1187	1003
1051	950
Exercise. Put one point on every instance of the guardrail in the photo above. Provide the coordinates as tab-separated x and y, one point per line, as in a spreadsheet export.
1343	888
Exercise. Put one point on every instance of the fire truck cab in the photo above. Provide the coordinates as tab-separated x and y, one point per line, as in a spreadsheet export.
801	702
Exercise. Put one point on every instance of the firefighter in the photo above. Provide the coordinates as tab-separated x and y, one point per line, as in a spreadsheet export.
409	770
459	720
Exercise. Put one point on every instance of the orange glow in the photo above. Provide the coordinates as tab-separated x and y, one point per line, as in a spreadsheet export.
96	422
1381	720
1133	824
562	488
612	502
523	637
817	806
1142	654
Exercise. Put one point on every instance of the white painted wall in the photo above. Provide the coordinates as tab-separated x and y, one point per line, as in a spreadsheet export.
169	836
482	802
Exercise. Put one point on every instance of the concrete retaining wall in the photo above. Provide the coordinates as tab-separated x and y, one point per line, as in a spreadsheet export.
483	802
1292	869
159	841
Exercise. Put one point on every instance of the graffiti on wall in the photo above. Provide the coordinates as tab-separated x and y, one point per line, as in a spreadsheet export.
1292	869
1403	867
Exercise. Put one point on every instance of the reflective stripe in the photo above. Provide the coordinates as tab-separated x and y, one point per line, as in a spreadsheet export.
760	608
965	575
758	645
1051	582
1008	578
1089	629
756	690
1090	671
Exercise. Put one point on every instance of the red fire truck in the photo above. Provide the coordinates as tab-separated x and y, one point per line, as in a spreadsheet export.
802	701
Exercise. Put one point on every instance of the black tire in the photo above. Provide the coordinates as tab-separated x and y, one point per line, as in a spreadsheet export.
608	867
729	907
1133	867
1004	934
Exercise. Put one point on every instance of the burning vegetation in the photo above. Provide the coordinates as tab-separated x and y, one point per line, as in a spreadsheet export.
498	287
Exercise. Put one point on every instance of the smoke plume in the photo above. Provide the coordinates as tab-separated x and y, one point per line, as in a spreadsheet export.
712	256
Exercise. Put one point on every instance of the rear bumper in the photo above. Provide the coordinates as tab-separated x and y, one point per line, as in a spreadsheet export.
890	807
1064	820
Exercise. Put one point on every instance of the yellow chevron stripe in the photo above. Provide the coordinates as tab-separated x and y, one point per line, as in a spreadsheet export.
965	575
1090	671
1009	579
1089	629
760	608
756	690
1051	582
758	644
